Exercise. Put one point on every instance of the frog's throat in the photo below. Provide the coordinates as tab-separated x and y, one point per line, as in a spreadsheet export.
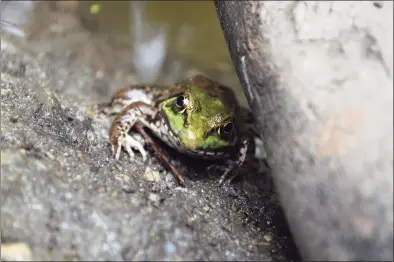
176	123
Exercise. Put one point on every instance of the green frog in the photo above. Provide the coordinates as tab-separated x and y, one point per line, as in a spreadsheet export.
197	117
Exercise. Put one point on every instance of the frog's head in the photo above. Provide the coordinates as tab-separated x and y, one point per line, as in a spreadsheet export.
202	117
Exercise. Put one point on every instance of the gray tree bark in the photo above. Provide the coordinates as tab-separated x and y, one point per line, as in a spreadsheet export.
319	79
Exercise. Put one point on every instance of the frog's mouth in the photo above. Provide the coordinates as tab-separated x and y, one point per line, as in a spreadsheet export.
169	136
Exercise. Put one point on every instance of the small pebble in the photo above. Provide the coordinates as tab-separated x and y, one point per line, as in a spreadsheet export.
155	199
114	194
4	158
15	252
169	248
267	238
50	155
171	180
100	190
129	189
151	175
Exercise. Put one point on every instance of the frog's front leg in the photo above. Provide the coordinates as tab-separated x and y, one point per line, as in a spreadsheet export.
138	112
245	152
128	95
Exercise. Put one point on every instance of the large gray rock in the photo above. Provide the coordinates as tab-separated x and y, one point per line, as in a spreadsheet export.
319	77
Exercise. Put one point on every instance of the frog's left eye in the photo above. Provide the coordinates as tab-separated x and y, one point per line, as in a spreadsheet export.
181	101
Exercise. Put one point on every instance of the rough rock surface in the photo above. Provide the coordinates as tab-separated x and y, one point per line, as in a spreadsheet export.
319	77
64	196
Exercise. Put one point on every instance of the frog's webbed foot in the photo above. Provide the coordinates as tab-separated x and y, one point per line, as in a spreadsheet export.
225	169
128	142
222	167
119	133
230	173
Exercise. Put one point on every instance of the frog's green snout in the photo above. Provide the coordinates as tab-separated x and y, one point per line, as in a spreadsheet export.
192	138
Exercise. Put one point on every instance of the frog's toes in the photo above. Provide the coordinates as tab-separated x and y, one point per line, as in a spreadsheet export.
131	142
225	176
116	148
214	167
229	173
127	147
128	143
228	164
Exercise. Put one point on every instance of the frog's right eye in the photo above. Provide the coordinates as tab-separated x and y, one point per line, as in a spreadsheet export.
180	101
226	130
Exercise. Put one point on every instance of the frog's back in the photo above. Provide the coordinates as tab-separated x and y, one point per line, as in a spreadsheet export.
214	89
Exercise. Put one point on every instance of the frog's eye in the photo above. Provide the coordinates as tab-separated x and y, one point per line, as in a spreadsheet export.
225	130
180	101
